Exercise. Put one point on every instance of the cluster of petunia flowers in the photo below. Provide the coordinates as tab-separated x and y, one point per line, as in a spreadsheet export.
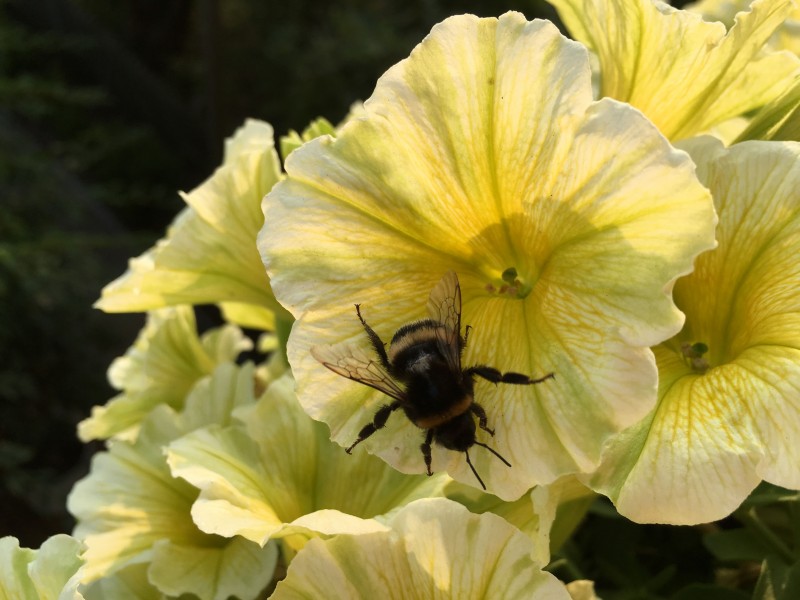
621	210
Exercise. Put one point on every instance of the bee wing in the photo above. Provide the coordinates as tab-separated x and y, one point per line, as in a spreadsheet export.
357	364
444	307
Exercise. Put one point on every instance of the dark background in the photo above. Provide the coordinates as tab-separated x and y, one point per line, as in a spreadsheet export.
107	109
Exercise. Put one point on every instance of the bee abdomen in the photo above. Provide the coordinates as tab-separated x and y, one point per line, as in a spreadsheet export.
456	409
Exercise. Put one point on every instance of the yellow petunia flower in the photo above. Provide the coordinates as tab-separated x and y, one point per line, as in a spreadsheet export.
786	37
208	255
728	413
276	475
130	510
52	572
162	366
685	74
566	221
435	548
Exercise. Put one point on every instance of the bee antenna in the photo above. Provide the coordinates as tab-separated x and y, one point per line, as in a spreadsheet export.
493	451
478	477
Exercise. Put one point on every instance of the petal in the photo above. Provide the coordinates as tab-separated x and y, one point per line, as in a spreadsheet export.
473	158
725	423
50	573
293	140
130	583
778	120
130	506
161	367
436	549
239	568
582	589
208	255
787	36
685	74
129	502
548	515
256	481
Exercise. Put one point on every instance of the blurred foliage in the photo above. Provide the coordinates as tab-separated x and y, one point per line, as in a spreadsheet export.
106	110
754	553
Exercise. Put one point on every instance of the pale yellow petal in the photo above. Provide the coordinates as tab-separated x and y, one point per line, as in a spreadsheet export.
436	549
685	74
208	255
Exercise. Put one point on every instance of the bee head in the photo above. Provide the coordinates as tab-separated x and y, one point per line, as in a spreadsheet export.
457	434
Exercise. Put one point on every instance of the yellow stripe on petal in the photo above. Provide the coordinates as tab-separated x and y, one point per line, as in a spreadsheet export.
685	74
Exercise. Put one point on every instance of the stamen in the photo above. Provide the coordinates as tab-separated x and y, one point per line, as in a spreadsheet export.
693	354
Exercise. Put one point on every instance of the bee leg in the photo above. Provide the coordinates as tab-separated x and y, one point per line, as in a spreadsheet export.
495	376
376	341
426	451
378	421
467	329
482	420
474	472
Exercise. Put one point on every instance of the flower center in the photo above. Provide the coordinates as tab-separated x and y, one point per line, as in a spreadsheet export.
509	284
694	355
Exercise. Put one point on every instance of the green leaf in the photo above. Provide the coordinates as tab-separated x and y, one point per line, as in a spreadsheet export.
767	493
293	140
705	591
735	544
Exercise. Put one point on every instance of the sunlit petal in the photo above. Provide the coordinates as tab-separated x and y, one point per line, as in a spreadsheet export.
164	363
131	510
685	74
52	572
209	254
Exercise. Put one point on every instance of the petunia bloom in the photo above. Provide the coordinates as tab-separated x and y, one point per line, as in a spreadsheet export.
684	73
435	548
132	511
274	474
52	572
566	220
728	413
166	361
208	255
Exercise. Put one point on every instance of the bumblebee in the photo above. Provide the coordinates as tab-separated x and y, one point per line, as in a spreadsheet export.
422	373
